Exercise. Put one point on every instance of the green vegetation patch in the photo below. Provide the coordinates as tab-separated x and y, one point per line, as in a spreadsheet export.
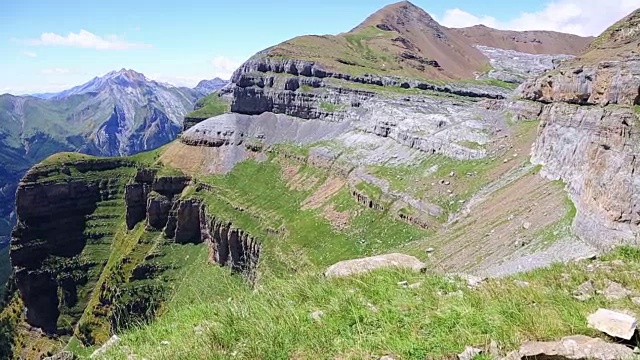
210	106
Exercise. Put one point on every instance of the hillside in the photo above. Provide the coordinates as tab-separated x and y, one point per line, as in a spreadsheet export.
496	210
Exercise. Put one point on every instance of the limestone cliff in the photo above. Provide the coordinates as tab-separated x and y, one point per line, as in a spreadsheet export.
590	134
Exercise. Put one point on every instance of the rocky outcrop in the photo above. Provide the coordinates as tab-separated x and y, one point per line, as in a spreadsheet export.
607	82
150	197
515	67
286	86
189	222
366	201
230	246
578	347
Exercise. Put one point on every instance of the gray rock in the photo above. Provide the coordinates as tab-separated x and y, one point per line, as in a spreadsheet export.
113	341
585	291
473	281
615	291
613	323
317	315
578	347
636	300
469	353
522	284
364	265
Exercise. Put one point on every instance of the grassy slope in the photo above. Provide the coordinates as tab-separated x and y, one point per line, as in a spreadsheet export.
209	106
308	238
371	314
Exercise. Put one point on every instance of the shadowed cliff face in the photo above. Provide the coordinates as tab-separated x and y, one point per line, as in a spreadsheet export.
48	242
70	221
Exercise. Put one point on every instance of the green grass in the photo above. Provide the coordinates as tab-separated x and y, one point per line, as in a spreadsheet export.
370	315
210	106
331	107
309	240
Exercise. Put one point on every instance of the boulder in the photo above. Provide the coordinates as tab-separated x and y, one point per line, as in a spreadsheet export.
585	291
578	347
364	265
613	323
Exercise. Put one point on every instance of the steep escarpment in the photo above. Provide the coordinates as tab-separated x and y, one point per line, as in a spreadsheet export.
59	231
590	134
95	237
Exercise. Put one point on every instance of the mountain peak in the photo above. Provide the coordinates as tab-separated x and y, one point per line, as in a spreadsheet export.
125	75
400	17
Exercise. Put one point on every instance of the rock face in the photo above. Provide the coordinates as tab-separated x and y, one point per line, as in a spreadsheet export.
594	148
577	347
188	221
51	225
230	246
150	197
364	265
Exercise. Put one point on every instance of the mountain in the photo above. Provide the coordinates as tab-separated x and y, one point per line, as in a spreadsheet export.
403	40
120	113
207	87
390	145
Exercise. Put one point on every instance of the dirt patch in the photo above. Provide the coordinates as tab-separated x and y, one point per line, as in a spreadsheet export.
195	160
300	182
339	220
326	191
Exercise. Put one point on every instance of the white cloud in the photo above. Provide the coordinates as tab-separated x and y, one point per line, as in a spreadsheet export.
30	54
581	17
458	18
87	40
223	67
55	71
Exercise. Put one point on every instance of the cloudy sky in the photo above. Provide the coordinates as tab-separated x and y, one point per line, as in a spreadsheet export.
53	45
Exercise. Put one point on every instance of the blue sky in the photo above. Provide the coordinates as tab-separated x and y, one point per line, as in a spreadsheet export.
53	45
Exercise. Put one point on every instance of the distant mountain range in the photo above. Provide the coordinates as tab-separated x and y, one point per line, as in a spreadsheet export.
120	113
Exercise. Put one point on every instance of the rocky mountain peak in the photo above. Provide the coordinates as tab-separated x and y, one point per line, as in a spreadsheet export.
126	75
402	17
